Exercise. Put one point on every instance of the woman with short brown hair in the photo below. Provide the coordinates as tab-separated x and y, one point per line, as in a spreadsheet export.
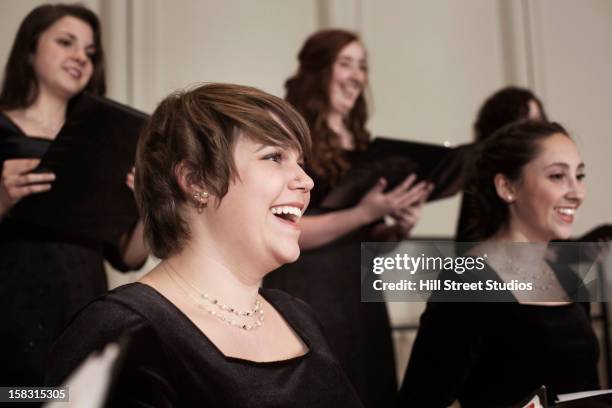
221	188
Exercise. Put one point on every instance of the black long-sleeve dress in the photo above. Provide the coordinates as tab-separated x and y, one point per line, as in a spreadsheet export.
495	354
45	278
171	363
329	279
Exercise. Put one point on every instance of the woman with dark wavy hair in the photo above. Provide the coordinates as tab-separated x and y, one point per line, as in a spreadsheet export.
508	105
528	188
505	106
339	125
328	90
46	275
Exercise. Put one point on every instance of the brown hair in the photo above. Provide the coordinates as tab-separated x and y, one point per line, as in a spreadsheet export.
199	127
506	152
308	92
20	86
505	106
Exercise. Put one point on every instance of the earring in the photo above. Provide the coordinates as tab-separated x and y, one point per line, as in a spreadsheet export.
201	198
510	198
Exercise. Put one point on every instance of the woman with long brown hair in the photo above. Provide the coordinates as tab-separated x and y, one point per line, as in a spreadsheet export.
47	275
507	105
527	186
328	90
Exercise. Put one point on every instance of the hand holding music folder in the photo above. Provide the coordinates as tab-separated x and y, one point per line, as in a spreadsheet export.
90	157
395	160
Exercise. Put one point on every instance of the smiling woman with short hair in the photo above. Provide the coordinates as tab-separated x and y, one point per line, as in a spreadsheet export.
221	188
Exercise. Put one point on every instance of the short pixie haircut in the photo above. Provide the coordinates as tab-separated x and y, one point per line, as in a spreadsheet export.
199	127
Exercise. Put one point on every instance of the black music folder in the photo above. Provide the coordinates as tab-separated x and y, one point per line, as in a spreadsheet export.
600	233
395	160
91	156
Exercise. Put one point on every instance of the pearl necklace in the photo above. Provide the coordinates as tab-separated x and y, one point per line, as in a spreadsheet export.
256	312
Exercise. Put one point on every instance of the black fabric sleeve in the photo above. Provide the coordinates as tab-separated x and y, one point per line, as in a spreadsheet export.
142	378
89	331
442	355
113	255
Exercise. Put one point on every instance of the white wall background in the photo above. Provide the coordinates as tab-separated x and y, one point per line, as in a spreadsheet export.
432	64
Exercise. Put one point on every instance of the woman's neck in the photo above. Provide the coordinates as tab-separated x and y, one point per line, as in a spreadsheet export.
515	245
49	110
210	274
44	117
507	235
335	121
515	232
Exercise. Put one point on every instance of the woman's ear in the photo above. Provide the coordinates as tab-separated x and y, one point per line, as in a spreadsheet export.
505	188
191	186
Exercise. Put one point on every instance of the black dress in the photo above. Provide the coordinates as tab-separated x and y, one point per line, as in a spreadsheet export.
495	354
171	363
329	279
45	277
